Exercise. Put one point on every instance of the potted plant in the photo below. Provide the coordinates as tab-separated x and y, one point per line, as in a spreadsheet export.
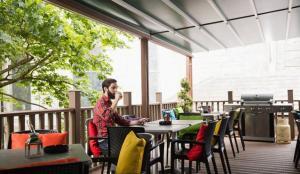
185	101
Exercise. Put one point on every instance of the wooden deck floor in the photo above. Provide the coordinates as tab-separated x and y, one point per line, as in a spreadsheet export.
258	158
261	158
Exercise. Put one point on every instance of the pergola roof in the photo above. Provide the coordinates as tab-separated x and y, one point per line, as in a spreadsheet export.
190	26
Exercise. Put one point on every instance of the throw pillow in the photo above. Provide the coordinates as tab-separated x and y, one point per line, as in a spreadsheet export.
131	155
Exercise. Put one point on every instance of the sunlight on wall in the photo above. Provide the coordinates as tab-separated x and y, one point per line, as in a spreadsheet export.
261	68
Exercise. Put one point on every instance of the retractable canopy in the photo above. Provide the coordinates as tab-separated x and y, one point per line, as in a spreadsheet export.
190	26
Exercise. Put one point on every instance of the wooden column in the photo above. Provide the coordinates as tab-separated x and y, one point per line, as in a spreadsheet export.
74	118
189	73
127	102
158	96
291	119
145	77
230	97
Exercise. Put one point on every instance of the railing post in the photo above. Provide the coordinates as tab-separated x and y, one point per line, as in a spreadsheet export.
127	101
230	97
158	96
74	118
291	120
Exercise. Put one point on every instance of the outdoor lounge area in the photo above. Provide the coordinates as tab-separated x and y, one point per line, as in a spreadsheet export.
233	106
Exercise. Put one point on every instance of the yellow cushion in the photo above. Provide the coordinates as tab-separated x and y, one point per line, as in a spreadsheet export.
131	155
216	132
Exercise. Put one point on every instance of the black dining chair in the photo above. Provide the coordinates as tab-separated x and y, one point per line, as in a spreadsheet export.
116	137
205	156
237	126
229	130
296	115
297	149
103	158
219	144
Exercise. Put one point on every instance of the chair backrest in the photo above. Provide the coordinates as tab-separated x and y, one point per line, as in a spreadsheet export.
208	137
298	126
116	137
40	131
222	129
230	121
87	122
190	116
146	158
296	114
238	119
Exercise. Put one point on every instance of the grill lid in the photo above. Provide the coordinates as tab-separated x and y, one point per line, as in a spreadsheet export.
257	98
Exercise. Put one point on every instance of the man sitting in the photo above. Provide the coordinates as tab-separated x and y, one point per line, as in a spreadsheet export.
105	112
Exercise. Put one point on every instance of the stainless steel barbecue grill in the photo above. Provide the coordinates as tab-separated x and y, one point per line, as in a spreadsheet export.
258	122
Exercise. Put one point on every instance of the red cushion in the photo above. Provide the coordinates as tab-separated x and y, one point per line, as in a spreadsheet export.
94	146
196	151
18	140
53	139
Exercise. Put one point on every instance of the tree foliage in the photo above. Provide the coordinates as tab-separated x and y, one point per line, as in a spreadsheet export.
185	101
39	43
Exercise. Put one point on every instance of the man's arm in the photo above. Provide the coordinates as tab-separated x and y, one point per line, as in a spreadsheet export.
118	96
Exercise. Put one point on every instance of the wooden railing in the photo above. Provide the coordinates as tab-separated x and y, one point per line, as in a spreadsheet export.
169	105
219	105
58	119
216	105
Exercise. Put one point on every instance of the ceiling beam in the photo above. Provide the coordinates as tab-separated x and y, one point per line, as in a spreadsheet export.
157	22
170	4
213	4
121	25
261	31
288	21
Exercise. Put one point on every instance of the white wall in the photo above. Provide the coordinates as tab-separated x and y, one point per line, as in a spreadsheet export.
261	68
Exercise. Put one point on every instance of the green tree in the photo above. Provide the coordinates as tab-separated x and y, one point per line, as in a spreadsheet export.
185	101
39	41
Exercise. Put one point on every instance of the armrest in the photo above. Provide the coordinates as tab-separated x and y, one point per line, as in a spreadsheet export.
188	142
156	145
97	138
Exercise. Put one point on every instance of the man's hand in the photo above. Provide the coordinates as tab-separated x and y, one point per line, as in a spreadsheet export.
118	95
142	121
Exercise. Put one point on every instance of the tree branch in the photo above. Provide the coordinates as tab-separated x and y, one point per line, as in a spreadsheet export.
21	100
20	63
47	80
26	72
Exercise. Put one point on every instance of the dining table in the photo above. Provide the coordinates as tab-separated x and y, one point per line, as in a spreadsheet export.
74	161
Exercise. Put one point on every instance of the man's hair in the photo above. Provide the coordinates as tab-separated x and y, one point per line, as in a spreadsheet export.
107	82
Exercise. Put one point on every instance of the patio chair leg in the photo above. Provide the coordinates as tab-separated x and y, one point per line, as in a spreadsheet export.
214	163
231	143
108	167
296	150
182	166
223	162
168	145
227	161
197	166
102	169
207	167
172	158
242	139
190	167
236	143
297	160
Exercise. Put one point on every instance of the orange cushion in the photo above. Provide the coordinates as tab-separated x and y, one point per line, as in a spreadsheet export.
18	140
53	139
